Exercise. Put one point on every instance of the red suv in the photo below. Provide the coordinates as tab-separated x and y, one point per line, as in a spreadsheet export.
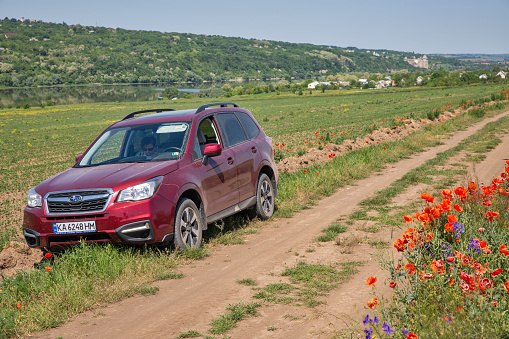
157	178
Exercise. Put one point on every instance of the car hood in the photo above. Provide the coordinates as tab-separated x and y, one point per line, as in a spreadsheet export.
114	176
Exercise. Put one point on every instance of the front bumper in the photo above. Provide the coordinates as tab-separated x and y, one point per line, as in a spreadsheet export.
148	221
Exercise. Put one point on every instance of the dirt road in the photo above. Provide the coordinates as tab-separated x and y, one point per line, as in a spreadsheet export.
210	284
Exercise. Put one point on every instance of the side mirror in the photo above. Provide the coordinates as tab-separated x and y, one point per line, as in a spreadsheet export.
211	150
78	158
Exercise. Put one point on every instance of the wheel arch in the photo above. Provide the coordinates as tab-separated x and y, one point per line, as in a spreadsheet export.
267	170
196	198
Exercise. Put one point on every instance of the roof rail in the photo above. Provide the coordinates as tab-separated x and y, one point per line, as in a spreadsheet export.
221	104
157	110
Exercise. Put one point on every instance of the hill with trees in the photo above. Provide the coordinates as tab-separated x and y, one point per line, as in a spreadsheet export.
35	53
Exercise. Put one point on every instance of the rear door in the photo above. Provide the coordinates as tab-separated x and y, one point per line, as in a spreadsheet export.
219	176
244	153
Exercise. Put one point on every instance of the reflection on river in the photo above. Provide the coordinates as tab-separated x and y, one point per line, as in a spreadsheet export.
35	96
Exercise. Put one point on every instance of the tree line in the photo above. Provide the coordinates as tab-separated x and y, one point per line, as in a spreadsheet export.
42	54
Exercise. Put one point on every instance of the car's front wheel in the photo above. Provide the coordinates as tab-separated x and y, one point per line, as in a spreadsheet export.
264	197
188	225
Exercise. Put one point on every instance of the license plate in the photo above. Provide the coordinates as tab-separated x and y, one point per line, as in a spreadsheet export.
85	226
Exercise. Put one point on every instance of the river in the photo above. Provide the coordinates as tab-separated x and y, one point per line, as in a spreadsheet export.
35	96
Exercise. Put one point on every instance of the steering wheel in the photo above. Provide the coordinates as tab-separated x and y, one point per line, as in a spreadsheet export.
172	148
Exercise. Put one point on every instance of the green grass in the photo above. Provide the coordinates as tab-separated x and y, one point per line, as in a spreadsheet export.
236	313
331	232
308	282
79	280
247	282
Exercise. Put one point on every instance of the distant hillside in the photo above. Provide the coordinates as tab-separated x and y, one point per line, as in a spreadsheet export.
493	59
36	53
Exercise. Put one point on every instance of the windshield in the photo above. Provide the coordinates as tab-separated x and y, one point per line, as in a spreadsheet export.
138	143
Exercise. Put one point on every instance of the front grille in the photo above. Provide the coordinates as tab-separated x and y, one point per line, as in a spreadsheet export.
72	202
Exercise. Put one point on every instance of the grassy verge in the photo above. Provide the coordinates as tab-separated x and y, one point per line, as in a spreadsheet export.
79	280
452	280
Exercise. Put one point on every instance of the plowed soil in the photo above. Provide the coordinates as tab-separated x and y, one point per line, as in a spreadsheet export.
210	285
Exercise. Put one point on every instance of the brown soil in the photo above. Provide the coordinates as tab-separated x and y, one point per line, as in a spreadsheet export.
210	284
377	137
18	257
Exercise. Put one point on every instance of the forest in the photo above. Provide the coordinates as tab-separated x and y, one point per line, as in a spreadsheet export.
35	53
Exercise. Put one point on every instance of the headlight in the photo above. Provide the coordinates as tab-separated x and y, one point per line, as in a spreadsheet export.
141	191
34	199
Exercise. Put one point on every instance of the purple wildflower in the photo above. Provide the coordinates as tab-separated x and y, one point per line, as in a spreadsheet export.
366	320
387	329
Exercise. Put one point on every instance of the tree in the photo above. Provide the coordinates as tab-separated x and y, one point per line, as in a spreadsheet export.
171	92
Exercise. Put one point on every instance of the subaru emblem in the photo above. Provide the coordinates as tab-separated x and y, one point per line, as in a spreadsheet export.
75	198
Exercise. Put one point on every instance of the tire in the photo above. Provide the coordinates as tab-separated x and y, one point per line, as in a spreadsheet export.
188	225
265	201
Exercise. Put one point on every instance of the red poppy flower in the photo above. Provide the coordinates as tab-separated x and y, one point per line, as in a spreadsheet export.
472	186
18	305
392	284
452	218
372	303
411	335
47	255
371	281
428	198
460	191
48	269
408	219
399	245
458	208
496	272
410	268
486	283
490	215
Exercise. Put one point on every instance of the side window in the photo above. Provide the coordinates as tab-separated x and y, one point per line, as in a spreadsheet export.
231	129
249	125
197	151
206	134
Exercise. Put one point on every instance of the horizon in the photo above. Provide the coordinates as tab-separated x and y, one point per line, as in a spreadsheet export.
467	27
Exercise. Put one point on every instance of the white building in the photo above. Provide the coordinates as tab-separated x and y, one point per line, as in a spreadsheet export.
313	84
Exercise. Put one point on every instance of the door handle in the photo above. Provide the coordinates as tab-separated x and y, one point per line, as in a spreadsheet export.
230	161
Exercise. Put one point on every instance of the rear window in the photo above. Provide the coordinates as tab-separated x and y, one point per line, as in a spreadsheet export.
232	131
249	125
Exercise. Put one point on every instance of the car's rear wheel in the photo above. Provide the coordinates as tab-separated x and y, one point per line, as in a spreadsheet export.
264	197
188	225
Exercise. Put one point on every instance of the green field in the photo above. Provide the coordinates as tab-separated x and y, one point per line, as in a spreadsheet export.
37	143
40	142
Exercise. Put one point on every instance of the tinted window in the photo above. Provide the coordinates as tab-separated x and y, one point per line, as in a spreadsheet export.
232	131
249	125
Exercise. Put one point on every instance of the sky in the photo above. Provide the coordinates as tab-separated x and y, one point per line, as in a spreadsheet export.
423	27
